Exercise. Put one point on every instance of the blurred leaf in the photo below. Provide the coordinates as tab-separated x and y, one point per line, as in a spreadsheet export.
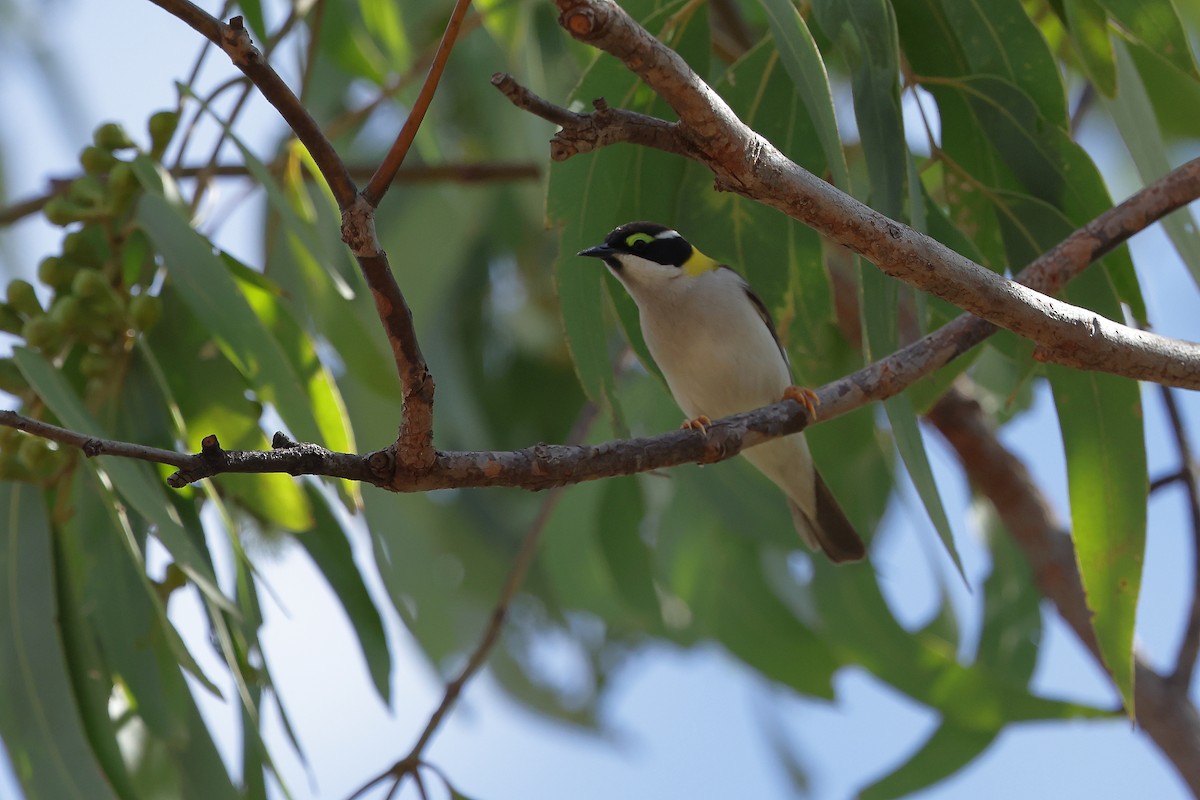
1157	26
133	479
626	553
1011	633
911	446
320	389
946	751
1101	420
865	30
803	63
1134	117
1088	24
860	628
330	551
720	577
212	294
209	398
45	737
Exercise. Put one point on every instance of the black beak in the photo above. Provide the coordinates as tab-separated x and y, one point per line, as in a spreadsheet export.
599	251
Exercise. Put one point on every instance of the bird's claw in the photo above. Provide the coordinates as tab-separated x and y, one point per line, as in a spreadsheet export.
700	423
805	397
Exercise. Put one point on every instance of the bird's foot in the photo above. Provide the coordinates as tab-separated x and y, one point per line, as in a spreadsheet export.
805	397
700	423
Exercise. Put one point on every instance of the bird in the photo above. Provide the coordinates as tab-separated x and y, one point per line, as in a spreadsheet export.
716	344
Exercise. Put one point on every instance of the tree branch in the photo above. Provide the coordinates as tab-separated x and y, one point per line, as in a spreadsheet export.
744	162
544	466
383	177
234	39
1164	709
491	634
1189	646
414	442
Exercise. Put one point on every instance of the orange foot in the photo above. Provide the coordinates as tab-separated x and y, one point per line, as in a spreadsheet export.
700	423
805	397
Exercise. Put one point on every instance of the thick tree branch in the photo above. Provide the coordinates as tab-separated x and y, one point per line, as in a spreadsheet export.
544	466
744	162
1164	709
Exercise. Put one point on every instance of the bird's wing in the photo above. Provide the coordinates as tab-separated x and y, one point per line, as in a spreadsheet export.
765	316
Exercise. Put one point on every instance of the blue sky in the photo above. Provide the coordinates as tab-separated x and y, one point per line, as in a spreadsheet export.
681	723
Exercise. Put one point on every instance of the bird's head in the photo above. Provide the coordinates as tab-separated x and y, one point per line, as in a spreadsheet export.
646	252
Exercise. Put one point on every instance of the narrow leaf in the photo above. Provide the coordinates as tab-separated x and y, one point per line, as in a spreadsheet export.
39	721
133	479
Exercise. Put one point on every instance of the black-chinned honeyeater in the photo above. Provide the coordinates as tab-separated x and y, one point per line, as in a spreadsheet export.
717	346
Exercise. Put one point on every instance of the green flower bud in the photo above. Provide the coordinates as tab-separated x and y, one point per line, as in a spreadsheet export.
23	298
162	127
67	311
89	283
88	246
96	161
10	320
111	136
63	211
146	311
96	365
42	332
11	380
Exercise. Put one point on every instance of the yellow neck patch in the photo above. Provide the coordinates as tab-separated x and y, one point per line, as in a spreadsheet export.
698	263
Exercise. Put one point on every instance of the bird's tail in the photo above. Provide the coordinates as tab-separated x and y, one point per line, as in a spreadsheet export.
830	531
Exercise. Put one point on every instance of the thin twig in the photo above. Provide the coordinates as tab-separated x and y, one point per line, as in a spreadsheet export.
467	172
379	183
91	445
1189	647
234	39
410	764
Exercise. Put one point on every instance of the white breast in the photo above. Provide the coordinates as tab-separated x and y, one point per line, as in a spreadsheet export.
706	336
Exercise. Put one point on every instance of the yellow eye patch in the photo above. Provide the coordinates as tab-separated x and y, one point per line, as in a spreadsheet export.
635	238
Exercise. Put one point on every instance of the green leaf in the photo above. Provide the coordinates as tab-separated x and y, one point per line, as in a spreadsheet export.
781	258
629	559
860	628
330	551
999	40
40	722
1157	26
802	61
1101	420
320	388
133	479
720	576
205	284
911	446
945	752
1133	114
866	31
1088	25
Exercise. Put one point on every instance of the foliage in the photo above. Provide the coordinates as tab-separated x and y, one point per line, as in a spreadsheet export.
140	329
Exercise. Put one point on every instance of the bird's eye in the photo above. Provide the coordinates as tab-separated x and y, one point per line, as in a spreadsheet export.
636	240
